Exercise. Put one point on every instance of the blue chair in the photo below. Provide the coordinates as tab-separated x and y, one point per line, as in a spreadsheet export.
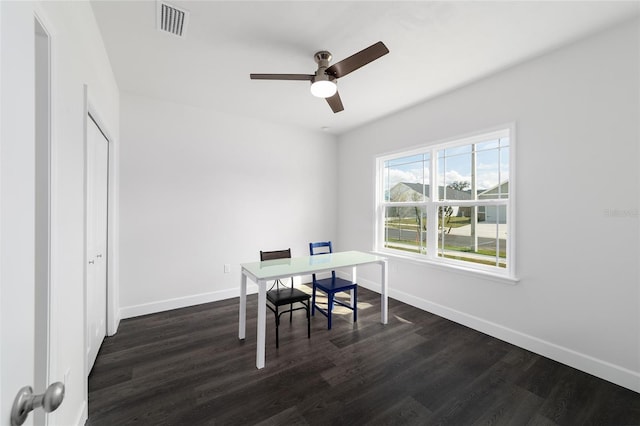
331	286
281	295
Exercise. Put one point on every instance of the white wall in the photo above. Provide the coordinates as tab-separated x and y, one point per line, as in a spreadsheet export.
576	112
78	59
200	189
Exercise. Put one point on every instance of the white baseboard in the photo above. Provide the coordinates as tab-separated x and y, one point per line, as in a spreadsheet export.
597	367
114	323
181	302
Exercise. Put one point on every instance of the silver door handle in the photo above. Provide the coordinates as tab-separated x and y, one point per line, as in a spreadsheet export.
26	402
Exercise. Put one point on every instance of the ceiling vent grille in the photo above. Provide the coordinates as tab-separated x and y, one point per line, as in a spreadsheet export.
172	19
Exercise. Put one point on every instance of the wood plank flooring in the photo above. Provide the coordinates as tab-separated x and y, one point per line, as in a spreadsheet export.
187	367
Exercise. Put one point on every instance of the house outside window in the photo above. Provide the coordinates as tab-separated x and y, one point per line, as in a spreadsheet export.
451	203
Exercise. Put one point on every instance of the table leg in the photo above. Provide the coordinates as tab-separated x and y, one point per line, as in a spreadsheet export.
242	322
262	323
384	301
354	279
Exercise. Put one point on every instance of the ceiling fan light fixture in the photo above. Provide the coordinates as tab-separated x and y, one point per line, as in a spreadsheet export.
323	82
323	88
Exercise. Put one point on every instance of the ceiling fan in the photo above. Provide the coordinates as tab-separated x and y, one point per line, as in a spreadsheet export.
323	82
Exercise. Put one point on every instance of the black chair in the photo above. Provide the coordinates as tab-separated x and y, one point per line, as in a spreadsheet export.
331	286
281	294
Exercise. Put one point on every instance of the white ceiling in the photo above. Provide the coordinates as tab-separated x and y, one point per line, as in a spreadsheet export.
434	47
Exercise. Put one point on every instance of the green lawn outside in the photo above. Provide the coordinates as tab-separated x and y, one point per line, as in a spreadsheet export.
410	222
489	253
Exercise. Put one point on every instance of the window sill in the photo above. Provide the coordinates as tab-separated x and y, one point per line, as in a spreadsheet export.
500	278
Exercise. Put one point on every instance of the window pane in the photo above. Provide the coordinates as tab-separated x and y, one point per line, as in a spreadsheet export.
405	228
458	150
405	178
403	160
493	173
492	144
504	168
488	171
482	241
454	176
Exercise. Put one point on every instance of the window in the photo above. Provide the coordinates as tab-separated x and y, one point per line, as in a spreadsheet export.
450	203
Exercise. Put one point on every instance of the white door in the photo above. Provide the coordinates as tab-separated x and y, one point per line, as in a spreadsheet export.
17	203
97	204
25	213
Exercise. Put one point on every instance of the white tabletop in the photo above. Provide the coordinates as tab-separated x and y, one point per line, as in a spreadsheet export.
271	269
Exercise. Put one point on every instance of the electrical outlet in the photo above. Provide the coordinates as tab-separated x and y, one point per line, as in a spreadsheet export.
227	268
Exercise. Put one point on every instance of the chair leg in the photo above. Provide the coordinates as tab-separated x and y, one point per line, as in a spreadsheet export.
308	324
355	304
290	312
329	307
313	301
277	324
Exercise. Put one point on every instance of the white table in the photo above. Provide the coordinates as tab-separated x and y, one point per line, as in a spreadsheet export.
268	270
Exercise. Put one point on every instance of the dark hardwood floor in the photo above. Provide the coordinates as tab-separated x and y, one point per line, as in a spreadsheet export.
187	367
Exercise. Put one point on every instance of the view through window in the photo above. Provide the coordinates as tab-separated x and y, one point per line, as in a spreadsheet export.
449	203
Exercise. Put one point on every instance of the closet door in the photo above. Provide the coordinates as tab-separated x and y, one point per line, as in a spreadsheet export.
97	207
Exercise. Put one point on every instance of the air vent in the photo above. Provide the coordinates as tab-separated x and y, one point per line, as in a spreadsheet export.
172	19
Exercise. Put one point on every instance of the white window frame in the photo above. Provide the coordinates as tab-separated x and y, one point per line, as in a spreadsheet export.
433	203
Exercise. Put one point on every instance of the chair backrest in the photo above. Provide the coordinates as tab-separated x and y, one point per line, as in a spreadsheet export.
322	247
276	254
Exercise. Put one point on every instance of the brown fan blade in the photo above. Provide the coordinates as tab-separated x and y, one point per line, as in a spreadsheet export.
307	77
357	60
335	103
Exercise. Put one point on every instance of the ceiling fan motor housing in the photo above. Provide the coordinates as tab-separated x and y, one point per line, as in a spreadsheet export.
322	58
